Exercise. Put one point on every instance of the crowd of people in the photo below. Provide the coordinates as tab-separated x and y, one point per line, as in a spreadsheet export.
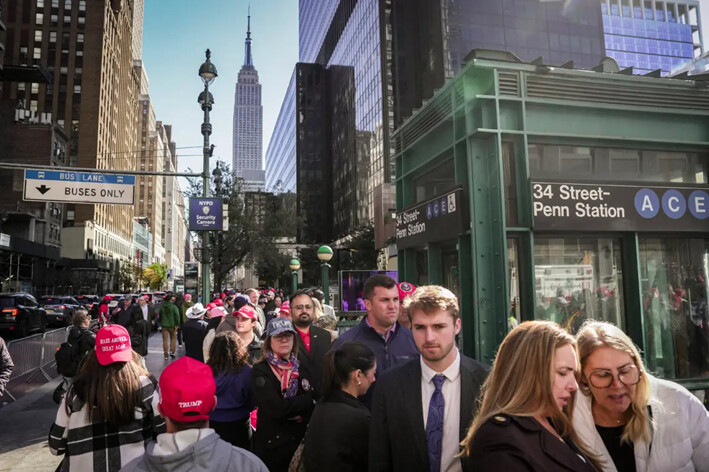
267	384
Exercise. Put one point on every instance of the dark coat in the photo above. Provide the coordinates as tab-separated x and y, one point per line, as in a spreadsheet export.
397	437
254	349
83	339
278	432
138	328
6	365
320	343
193	331
521	443
338	435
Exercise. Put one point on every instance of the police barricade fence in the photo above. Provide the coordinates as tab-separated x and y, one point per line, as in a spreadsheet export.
33	356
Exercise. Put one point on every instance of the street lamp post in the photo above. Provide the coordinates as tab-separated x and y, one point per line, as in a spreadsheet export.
325	254
207	72
294	266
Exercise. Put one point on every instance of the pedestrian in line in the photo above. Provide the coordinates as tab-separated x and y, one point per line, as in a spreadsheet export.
194	330
253	295
232	373
184	306
284	310
6	366
282	389
379	329
242	322
405	289
120	314
338	432
315	341
327	310
629	418
81	338
139	325
422	409
103	314
524	422
108	414
169	320
187	391
215	317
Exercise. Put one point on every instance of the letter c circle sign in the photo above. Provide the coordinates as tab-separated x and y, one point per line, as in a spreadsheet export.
674	204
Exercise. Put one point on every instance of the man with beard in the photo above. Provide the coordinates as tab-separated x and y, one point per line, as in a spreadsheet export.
316	341
421	410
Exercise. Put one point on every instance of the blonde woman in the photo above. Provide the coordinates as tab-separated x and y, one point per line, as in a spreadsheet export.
523	422
630	419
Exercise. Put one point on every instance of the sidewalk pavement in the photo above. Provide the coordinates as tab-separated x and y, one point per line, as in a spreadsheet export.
25	423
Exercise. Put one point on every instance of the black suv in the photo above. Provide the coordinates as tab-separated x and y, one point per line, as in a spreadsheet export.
60	308
20	313
90	302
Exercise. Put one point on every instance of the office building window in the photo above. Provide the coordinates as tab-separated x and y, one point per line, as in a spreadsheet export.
77	88
40	4
80	37
67	19
82	5
39	18
578	279
38	36
52	36
34	88
37	53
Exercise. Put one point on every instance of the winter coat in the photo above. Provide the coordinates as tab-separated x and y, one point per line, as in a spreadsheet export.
193	332
6	365
83	340
169	315
281	421
680	440
183	310
234	400
208	453
338	435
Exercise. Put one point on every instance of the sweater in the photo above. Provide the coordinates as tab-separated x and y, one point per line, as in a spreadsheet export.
194	450
680	440
169	315
234	400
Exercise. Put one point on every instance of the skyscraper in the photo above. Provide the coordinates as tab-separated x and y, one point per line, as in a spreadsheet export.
248	115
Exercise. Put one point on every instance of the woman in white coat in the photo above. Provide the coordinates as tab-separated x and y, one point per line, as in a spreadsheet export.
630	419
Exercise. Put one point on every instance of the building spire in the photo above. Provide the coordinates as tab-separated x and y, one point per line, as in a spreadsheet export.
248	60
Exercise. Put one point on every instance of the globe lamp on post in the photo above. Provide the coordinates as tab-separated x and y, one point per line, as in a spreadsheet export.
325	254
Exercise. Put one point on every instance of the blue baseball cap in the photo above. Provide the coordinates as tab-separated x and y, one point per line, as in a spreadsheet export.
279	325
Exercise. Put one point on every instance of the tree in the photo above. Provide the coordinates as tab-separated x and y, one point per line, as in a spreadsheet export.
256	222
126	277
155	275
359	252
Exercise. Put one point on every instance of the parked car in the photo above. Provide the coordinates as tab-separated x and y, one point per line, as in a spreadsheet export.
157	297
90	302
20	313
59	308
114	299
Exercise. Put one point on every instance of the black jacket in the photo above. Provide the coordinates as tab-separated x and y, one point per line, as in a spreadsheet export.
278	432
139	329
521	443
397	437
193	332
338	435
254	349
6	366
320	343
83	339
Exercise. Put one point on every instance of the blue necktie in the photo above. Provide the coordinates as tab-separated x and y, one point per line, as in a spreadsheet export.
434	424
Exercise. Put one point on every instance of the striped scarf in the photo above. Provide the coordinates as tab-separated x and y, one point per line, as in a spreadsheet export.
286	372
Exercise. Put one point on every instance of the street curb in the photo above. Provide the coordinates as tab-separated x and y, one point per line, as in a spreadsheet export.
29	398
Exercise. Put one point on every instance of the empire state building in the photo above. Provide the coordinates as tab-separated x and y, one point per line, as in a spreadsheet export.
248	123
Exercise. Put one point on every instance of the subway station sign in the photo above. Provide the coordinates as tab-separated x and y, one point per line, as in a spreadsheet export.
438	219
617	207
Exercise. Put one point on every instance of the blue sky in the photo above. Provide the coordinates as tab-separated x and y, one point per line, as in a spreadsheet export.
175	35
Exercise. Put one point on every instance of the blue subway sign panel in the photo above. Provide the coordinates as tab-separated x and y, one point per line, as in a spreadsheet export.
205	214
617	207
440	218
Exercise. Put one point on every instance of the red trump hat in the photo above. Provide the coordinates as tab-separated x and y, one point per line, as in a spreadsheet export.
187	390
405	289
113	345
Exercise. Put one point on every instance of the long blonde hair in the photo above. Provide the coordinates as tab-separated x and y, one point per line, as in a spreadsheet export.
595	334
520	383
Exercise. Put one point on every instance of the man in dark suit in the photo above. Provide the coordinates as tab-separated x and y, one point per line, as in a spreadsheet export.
422	409
315	341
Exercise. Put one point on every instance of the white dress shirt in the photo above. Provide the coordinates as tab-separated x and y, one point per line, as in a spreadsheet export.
145	312
451	415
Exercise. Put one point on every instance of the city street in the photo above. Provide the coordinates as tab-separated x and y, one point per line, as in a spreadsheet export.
24	424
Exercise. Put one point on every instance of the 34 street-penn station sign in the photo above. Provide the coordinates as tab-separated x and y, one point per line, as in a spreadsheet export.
618	207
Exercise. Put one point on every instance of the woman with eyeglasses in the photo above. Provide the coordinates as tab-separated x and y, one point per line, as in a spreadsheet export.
630	419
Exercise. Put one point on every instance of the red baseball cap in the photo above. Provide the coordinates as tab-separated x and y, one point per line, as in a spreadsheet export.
218	302
113	345
405	289
285	306
187	390
247	312
210	306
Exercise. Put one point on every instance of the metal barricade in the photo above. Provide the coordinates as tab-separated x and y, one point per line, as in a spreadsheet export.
51	342
26	354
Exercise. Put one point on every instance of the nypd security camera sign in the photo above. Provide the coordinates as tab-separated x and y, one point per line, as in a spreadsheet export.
205	214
